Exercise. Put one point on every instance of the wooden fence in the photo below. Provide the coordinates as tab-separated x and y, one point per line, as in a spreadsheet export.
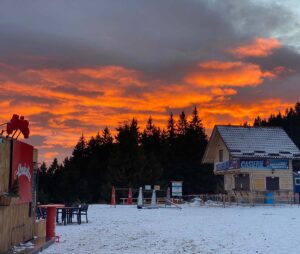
17	225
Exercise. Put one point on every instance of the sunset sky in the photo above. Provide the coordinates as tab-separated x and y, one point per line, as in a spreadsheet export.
74	67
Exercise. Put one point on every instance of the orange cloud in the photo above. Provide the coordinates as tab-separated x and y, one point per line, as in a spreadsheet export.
259	47
63	104
220	74
50	155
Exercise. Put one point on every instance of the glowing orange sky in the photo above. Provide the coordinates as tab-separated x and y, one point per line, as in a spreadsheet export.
63	103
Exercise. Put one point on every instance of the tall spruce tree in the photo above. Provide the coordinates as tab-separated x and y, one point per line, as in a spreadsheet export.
127	162
182	124
152	149
171	128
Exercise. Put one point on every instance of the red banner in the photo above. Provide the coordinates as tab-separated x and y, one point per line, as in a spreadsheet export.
22	168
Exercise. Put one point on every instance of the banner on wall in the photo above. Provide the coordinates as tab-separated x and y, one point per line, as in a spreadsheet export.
228	165
22	169
279	164
259	164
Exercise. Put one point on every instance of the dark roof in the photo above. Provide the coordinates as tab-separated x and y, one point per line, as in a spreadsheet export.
268	142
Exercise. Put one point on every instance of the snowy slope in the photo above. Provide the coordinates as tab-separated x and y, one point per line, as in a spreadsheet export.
126	229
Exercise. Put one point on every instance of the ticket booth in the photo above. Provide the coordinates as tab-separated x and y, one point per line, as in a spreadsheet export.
18	161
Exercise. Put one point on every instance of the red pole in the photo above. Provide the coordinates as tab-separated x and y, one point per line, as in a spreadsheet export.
113	197
129	200
50	222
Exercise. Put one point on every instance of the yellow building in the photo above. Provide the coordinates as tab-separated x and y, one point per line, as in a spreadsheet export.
253	159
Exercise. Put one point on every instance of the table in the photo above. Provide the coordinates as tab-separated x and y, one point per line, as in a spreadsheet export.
51	218
67	213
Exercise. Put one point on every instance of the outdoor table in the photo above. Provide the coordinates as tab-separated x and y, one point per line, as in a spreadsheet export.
50	220
67	214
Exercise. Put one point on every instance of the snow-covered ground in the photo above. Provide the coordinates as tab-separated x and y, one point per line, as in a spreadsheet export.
125	229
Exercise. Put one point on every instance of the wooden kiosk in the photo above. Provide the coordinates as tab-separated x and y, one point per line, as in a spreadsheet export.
256	162
18	165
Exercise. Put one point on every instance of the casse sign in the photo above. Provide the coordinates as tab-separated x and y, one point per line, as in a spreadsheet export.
265	164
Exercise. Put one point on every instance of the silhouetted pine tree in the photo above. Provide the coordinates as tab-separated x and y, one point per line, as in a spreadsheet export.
182	124
171	128
127	162
152	149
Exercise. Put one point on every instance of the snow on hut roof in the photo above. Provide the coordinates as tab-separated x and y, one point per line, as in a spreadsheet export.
271	142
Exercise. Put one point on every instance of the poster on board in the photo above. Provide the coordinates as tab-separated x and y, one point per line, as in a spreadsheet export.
176	188
22	169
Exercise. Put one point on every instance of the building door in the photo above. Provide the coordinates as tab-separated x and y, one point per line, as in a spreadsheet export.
272	183
242	182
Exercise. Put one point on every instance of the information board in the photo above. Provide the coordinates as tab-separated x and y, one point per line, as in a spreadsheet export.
176	188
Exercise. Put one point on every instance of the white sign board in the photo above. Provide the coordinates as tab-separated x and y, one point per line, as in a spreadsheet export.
176	189
147	187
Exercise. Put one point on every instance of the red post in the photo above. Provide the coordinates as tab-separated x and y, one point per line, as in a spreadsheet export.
51	218
113	197
50	221
129	200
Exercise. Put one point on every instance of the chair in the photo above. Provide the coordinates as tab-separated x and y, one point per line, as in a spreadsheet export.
82	211
73	211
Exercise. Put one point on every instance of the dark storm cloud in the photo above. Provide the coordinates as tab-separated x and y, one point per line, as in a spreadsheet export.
76	91
284	56
151	36
42	119
285	88
36	140
18	99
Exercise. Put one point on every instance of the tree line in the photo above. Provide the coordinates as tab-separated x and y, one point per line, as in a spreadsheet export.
134	158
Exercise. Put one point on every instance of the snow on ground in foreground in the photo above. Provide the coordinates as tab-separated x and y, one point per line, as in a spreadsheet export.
126	229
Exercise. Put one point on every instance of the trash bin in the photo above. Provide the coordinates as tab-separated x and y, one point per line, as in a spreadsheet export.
269	198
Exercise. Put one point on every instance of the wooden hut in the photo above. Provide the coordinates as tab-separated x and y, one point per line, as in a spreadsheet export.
18	160
255	161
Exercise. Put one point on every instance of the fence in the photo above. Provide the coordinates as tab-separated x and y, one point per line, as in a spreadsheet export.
247	198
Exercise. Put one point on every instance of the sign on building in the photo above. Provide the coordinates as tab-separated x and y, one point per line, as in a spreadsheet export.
257	164
228	165
265	164
22	169
176	188
147	187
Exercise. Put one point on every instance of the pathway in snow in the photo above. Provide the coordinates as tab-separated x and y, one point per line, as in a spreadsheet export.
126	229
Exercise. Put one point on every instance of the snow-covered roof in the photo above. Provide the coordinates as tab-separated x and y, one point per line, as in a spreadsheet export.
271	142
252	142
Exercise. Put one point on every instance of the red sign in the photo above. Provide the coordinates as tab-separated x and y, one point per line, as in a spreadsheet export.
22	168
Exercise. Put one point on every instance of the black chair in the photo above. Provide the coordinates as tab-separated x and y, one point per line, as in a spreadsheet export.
72	212
82	211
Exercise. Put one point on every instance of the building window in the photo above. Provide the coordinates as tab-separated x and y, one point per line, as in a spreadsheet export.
297	181
242	182
272	183
220	155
